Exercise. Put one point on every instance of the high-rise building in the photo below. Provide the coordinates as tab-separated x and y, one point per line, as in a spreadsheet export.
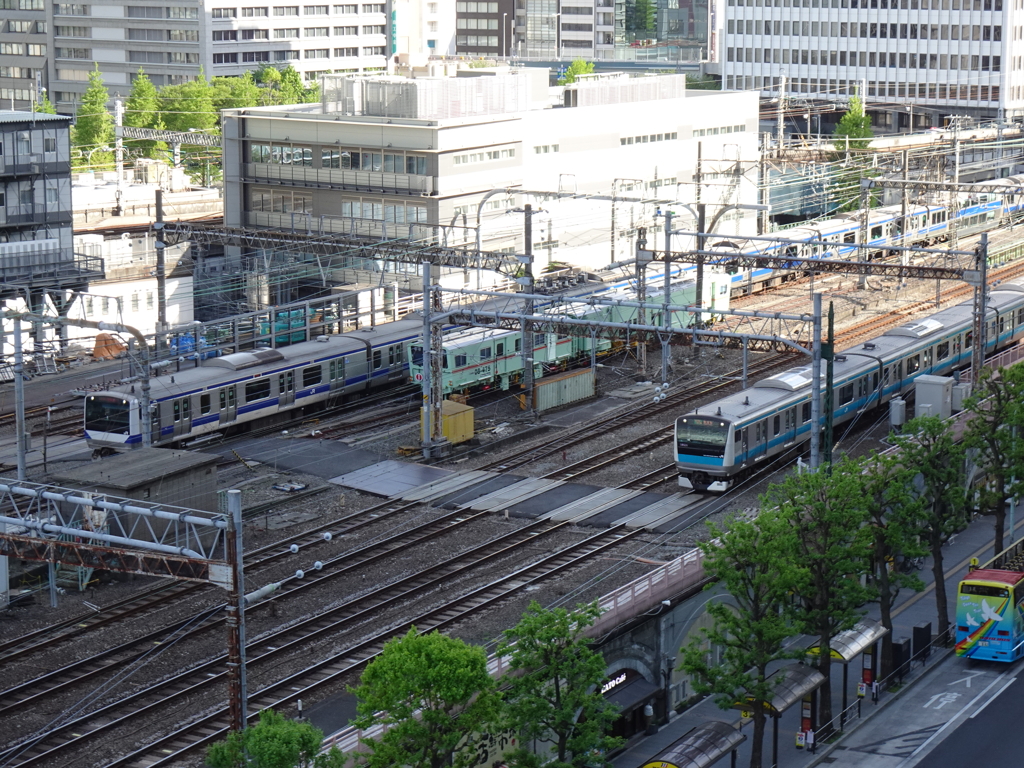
585	29
57	44
944	57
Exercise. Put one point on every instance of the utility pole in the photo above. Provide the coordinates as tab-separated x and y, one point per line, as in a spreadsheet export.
641	314
780	127
980	311
904	257
161	276
815	460
119	156
238	694
19	398
527	283
701	224
828	353
433	428
667	313
865	230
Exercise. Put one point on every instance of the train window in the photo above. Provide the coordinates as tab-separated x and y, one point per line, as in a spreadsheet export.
956	345
223	399
760	431
204	404
231	397
286	381
186	406
806	413
846	394
776	425
926	358
539	340
913	364
876	232
377	360
790	418
1020	317
177	410
1002	325
519	345
340	372
314	374
850	237
499	349
417	355
968	339
460	361
485	353
942	350
257	390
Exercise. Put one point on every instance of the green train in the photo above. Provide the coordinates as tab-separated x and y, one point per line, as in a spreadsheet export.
477	359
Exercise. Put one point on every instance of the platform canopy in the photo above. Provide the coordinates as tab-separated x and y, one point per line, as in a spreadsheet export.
790	685
847	645
700	747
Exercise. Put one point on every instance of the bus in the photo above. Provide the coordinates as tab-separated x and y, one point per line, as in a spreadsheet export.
990	608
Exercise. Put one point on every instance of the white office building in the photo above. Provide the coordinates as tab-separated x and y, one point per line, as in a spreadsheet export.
438	157
946	57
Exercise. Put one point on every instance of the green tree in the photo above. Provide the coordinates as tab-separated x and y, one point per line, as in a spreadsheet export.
574	70
94	125
235	92
855	125
142	110
269	79
894	516
274	742
553	692
928	448
44	105
436	697
189	105
292	90
830	547
992	432
703	83
753	562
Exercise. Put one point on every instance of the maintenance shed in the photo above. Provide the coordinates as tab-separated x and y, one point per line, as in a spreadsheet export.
157	475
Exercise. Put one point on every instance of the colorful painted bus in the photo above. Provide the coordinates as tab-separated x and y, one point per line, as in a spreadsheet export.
990	609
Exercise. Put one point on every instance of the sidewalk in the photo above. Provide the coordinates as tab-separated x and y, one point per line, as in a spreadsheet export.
904	726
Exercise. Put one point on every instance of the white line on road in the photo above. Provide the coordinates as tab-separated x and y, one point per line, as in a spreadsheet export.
907	760
994	696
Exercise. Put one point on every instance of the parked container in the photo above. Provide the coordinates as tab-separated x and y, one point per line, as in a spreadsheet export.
562	389
456	422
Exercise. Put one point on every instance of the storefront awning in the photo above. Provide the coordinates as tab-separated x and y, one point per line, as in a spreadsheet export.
790	685
847	645
700	747
629	696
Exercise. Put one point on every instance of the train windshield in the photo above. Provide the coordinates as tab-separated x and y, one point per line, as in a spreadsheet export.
984	590
104	413
701	435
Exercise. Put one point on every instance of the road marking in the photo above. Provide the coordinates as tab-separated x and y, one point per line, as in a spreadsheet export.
941	699
951	720
967	680
993	697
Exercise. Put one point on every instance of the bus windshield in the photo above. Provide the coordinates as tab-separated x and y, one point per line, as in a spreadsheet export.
983	590
104	413
701	435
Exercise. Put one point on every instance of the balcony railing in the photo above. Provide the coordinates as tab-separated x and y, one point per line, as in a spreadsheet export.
370	181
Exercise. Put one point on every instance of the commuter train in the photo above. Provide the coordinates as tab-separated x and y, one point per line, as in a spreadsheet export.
925	225
475	359
719	444
238	390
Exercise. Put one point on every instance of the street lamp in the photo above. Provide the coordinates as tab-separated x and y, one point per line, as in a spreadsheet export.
504	50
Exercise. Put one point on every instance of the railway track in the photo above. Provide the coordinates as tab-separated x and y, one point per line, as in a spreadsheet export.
348	617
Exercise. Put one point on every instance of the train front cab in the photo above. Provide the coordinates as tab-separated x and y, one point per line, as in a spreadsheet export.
989	619
112	421
704	452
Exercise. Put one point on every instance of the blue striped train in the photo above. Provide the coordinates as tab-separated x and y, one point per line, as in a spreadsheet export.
724	441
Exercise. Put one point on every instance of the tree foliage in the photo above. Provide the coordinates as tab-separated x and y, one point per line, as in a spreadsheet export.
830	548
753	562
575	69
553	693
993	434
188	105
94	125
44	105
436	697
142	110
274	742
855	125
928	448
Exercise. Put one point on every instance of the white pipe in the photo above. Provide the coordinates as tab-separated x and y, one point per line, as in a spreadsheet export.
104	537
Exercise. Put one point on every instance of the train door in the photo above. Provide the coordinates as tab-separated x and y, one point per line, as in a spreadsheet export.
337	373
228	404
182	415
286	388
744	441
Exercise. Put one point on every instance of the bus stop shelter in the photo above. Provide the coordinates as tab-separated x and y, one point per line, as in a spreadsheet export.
700	747
846	646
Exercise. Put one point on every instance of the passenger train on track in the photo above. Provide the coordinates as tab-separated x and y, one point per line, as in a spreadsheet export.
237	391
723	442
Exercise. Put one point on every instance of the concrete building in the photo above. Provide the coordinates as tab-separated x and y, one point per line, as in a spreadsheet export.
586	29
943	57
435	157
55	45
422	28
485	28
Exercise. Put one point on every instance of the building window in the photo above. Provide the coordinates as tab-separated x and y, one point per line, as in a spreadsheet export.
36	50
315	10
12	49
283	33
255	34
317	53
251	57
344	31
218	13
286	55
379	8
472	7
317	31
224	35
73	31
314	75
346	52
154	35
74	53
225	58
431	7
178	12
176	57
250	13
286	10
49	144
373	29
73	9
146	57
373	50
183	35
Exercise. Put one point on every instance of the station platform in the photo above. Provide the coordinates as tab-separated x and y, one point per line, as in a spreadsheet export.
525	497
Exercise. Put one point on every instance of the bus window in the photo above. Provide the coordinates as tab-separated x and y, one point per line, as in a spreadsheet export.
984	590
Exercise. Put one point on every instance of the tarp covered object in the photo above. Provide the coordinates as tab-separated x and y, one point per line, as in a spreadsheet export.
107	347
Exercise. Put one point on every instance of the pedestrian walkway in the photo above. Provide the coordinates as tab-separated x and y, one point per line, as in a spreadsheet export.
905	725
